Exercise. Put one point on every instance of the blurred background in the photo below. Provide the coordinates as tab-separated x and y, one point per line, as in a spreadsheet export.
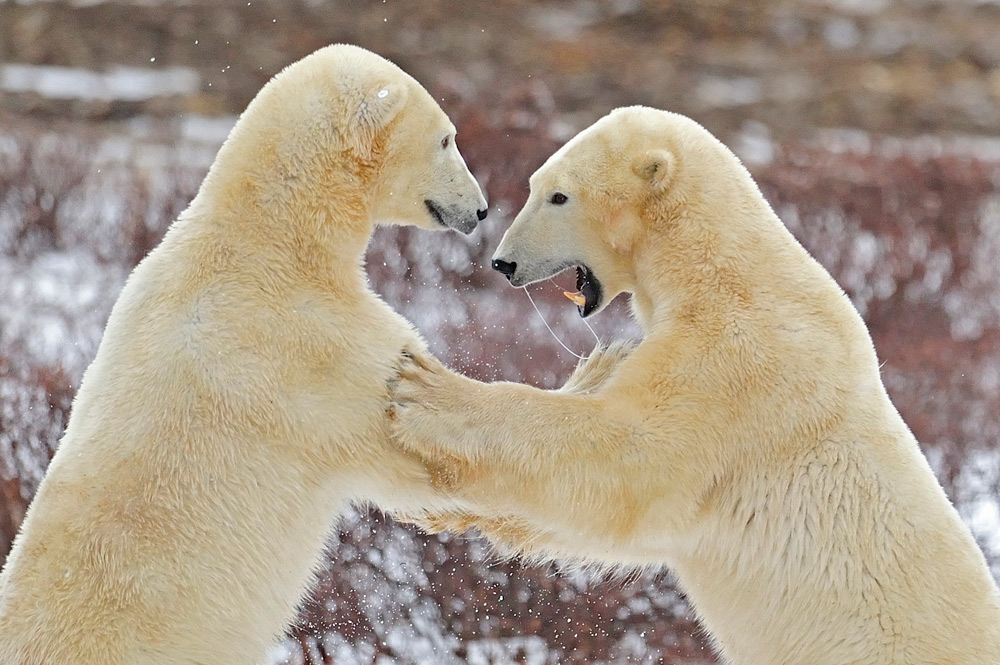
873	127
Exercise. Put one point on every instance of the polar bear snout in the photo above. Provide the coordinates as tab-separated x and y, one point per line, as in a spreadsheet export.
453	198
519	272
523	266
506	268
509	269
456	217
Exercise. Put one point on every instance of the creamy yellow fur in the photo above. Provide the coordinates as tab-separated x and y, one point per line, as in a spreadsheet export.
747	442
237	400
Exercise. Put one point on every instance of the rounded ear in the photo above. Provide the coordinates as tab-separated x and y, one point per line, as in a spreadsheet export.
656	167
373	112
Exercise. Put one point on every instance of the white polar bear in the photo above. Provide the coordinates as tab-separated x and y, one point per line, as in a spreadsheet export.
748	442
237	400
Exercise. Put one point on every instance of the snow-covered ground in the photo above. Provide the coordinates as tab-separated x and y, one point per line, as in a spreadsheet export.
129	84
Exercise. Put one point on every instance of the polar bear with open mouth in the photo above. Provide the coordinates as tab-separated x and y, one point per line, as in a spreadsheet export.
747	443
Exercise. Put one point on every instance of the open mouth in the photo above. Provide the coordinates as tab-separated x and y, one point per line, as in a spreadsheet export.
588	291
435	212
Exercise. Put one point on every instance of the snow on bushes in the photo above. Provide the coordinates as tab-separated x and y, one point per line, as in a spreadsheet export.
911	235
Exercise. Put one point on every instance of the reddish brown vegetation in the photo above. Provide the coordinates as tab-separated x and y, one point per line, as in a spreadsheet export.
883	225
910	229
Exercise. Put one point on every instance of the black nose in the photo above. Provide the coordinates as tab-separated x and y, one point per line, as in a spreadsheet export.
481	214
506	268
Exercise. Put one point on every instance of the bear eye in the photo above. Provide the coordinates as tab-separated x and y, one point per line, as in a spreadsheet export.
446	141
558	198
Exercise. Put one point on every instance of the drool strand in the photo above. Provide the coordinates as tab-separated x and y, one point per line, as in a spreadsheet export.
549	328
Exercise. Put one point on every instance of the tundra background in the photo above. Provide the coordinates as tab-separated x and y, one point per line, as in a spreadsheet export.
873	127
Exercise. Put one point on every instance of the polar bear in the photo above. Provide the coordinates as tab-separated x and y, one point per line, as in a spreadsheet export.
748	442
237	400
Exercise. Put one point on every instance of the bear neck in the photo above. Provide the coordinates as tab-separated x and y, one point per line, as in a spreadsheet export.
702	263
291	201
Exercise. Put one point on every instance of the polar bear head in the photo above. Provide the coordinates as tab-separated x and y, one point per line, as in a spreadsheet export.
389	118
347	127
424	180
594	202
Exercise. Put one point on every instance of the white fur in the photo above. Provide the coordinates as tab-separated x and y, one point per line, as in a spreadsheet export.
237	400
747	442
